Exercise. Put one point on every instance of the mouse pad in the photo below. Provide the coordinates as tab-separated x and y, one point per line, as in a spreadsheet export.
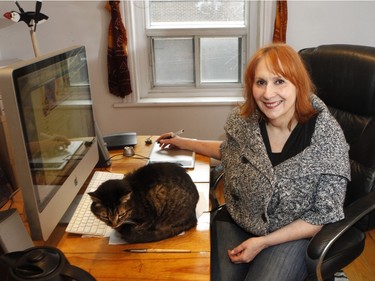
185	158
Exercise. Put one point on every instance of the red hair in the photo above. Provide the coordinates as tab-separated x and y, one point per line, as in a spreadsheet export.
286	62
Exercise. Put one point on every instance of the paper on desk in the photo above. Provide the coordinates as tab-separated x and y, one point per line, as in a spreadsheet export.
203	217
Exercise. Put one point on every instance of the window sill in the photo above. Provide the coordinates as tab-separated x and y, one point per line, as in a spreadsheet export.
174	102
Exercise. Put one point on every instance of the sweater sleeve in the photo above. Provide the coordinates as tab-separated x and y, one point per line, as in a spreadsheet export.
329	201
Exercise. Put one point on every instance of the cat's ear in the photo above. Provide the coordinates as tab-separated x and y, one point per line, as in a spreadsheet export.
126	198
94	197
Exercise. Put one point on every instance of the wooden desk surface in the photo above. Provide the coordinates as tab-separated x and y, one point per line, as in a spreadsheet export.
111	263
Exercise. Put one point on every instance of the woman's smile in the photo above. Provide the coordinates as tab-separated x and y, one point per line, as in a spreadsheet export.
272	105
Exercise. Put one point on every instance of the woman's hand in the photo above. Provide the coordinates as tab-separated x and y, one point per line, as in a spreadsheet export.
205	147
167	140
50	147
247	250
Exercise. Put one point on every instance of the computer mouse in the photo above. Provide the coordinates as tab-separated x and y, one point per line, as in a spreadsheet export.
128	151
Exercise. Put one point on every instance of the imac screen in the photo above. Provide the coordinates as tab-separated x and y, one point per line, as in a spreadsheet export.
56	125
57	119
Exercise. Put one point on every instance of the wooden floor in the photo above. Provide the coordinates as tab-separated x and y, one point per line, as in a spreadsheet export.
363	268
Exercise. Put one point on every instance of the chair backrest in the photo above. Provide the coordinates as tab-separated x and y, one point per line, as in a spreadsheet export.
344	76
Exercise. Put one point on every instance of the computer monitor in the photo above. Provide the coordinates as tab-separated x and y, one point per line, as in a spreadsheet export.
48	108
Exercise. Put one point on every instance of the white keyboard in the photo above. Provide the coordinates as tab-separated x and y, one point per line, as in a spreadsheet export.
83	220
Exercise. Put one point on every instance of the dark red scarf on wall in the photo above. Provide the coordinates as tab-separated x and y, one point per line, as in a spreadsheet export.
279	31
117	57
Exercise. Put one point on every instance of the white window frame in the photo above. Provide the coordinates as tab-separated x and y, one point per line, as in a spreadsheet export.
257	33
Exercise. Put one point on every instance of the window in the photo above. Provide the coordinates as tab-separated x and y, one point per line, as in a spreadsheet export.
189	49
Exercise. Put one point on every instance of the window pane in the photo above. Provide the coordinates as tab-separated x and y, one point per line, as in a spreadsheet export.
220	60
173	61
197	12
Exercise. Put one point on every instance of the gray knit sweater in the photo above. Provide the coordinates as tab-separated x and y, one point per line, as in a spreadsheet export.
309	186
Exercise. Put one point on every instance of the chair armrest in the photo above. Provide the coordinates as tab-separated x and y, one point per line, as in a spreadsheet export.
215	176
323	240
326	237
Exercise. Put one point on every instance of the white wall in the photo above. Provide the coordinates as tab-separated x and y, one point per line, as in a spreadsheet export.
310	23
313	23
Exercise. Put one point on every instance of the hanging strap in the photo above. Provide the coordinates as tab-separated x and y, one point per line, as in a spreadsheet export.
117	57
281	20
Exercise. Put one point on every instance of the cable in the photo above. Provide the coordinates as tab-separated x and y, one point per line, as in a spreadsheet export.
133	156
10	198
113	156
140	157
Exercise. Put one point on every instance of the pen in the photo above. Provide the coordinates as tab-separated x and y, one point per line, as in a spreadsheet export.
156	251
177	133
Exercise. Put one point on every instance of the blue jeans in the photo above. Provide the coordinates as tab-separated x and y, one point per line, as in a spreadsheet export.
284	262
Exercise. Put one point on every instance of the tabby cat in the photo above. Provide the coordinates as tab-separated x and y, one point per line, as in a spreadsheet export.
155	202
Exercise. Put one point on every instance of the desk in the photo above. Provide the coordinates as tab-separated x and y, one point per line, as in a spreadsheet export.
109	262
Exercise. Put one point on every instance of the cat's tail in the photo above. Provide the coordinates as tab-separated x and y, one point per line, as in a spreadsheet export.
143	234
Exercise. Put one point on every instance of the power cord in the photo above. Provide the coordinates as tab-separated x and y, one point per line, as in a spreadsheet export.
11	198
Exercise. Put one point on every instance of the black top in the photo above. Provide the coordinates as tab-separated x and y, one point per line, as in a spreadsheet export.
299	139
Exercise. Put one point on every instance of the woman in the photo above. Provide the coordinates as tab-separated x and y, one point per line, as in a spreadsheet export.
286	169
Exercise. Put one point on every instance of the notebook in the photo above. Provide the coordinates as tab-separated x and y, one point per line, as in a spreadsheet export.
185	158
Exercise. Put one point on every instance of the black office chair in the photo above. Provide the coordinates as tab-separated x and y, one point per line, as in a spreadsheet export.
345	79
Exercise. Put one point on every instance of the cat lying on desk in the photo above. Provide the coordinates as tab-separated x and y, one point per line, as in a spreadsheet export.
155	202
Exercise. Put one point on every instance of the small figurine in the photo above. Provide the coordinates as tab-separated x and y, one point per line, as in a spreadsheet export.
30	18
